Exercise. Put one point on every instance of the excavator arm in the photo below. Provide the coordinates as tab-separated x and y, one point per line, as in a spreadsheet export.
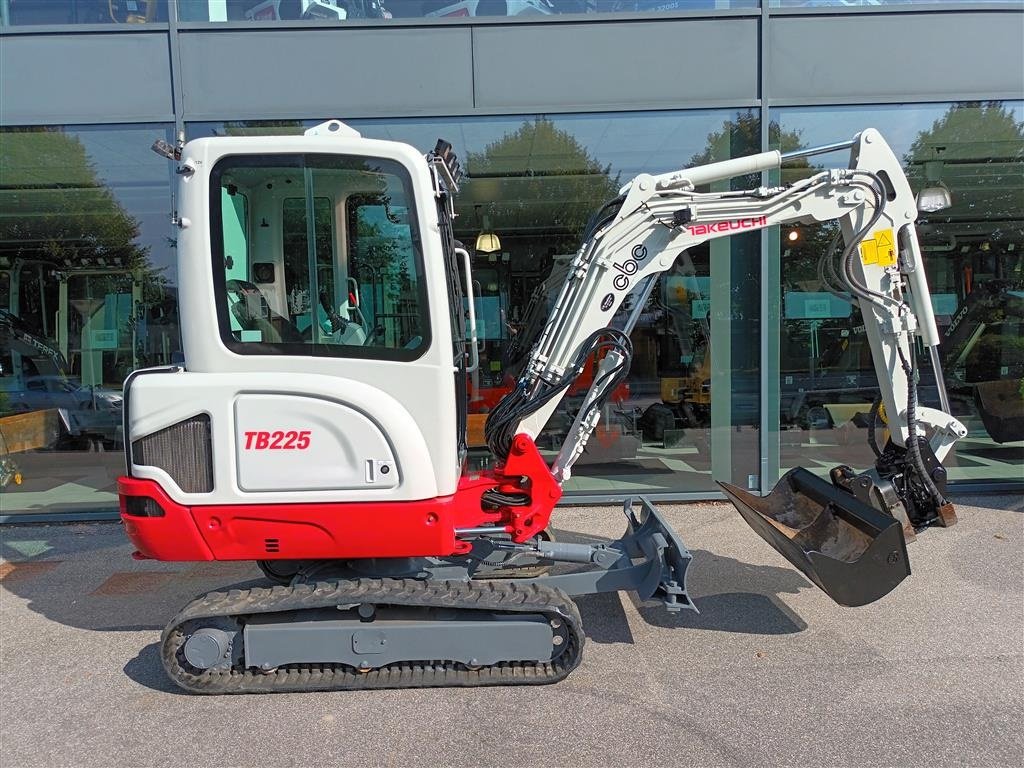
875	263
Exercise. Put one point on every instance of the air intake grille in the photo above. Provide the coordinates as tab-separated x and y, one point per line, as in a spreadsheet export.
183	451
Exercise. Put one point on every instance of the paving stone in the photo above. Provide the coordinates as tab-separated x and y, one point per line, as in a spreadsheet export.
13	571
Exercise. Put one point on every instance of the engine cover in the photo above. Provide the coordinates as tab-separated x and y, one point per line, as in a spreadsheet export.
298	443
266	437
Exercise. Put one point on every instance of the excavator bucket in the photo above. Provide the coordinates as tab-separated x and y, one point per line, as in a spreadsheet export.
855	553
1001	405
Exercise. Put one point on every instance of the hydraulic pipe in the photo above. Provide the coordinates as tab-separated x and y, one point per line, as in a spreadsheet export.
913	268
940	381
729	169
579	433
725	169
824	149
484	530
741	166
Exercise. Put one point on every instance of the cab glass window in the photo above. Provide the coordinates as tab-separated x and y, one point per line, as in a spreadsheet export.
318	255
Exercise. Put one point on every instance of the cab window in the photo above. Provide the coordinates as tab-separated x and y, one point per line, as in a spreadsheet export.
318	255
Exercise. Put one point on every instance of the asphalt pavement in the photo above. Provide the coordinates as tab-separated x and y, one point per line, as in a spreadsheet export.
770	672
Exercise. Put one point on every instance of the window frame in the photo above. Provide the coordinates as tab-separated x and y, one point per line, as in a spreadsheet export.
301	161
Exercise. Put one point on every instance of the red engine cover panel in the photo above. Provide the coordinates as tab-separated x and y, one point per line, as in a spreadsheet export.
173	536
342	531
300	531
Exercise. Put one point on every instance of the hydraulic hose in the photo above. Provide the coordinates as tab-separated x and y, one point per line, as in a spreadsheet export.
827	274
517	405
876	407
603	217
849	278
913	449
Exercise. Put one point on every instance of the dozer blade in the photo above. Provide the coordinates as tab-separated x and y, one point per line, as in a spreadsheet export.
855	553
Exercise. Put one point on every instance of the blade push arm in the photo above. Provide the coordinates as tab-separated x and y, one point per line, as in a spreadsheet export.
657	217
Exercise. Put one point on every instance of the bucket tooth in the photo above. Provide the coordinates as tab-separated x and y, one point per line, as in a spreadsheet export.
849	549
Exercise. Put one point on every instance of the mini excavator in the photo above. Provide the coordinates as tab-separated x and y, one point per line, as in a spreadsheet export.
317	425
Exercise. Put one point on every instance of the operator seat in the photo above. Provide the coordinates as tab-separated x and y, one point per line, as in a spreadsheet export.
253	313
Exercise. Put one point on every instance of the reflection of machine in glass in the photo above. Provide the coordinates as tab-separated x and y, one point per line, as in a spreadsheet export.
337	10
342	467
86	412
34	377
448	8
68	336
133	11
88	311
627	6
9	472
827	376
684	354
982	349
26	12
20	343
277	10
826	361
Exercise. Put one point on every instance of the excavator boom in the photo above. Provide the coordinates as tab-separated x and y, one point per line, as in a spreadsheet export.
841	532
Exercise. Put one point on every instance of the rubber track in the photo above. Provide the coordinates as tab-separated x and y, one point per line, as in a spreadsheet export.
491	595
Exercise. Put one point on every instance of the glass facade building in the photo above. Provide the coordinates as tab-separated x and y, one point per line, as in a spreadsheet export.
744	365
115	12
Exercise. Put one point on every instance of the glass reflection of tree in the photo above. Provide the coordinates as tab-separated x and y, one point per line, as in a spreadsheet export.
382	255
989	140
976	149
737	137
261	128
295	246
559	184
557	187
67	217
742	136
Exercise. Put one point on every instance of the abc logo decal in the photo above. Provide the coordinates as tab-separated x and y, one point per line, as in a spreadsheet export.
629	267
607	301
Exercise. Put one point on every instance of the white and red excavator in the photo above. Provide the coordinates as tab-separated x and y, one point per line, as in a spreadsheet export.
318	422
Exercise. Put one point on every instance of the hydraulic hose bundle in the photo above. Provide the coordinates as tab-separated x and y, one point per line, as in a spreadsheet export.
524	400
832	278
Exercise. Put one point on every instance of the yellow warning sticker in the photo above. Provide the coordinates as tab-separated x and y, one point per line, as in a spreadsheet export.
881	250
868	251
886	245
